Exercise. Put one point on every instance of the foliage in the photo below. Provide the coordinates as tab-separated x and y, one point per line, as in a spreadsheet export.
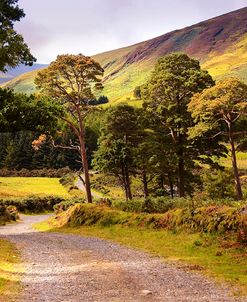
166	95
117	143
73	81
218	184
16	153
33	204
66	204
51	173
21	112
13	50
225	103
211	219
7	213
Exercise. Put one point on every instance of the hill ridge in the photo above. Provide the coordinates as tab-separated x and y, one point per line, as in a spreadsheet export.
220	43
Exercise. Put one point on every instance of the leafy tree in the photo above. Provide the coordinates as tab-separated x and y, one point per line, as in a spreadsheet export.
175	79
72	81
224	103
13	50
116	152
21	112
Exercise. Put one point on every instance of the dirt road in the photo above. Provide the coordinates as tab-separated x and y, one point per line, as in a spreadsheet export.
63	267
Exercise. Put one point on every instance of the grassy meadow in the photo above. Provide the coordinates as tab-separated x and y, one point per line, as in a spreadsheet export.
27	186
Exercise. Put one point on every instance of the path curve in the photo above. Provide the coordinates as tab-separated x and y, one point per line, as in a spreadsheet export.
64	267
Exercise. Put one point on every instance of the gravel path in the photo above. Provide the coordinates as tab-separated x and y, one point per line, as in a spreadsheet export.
64	267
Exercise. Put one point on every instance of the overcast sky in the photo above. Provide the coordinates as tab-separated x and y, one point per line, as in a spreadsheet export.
53	27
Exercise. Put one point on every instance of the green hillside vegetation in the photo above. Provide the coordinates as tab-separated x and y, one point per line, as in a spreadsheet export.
219	43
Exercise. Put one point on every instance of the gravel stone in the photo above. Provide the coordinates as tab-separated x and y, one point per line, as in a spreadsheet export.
69	268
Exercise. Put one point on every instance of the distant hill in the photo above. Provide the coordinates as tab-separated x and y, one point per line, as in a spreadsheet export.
15	72
219	43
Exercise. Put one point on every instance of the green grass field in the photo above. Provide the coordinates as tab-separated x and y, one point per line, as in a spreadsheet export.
26	186
9	278
213	256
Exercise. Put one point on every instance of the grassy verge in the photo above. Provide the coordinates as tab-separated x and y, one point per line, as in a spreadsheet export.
217	257
9	278
26	186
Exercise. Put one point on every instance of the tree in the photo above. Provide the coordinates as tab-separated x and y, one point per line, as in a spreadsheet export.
119	138
224	103
13	50
175	79
72	81
21	112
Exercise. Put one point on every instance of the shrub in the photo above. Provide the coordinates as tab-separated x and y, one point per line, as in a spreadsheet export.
153	204
45	172
219	184
214	219
7	214
33	204
66	204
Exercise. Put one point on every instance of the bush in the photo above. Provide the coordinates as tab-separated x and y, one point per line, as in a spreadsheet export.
153	204
164	204
33	204
214	219
134	205
219	184
45	172
66	204
7	214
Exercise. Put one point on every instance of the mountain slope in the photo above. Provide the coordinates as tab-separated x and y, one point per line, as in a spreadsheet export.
219	43
19	70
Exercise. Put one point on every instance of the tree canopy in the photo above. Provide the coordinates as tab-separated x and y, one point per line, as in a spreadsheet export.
225	103
176	77
13	49
21	112
73	81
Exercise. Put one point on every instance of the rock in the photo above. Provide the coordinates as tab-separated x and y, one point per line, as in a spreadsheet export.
146	292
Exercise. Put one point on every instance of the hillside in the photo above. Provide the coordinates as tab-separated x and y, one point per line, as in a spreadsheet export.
19	70
219	43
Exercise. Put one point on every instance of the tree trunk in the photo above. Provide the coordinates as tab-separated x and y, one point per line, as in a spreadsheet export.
85	169
171	186
84	157
128	188
162	184
145	183
234	165
181	191
126	184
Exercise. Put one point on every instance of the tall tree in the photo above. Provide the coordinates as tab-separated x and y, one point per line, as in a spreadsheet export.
73	80
224	103
116	152
175	79
13	49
